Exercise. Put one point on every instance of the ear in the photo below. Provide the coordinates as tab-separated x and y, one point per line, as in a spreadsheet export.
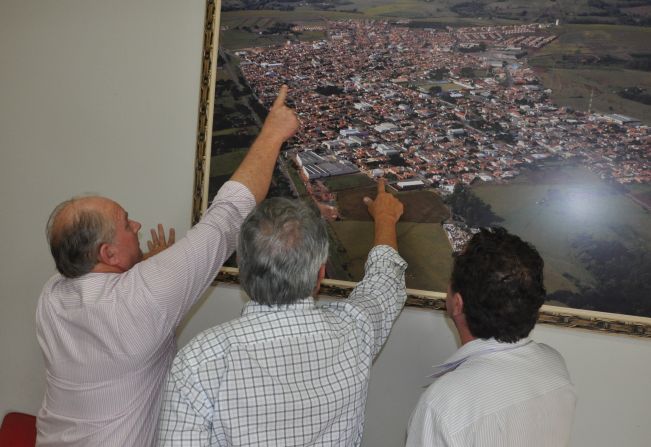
319	278
106	254
457	305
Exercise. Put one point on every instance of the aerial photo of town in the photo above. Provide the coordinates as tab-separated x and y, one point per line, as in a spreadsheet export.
471	122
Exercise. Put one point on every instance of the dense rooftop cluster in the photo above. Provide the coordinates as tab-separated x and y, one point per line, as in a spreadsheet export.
422	104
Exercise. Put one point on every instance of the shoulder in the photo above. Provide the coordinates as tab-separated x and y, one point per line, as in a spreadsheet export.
50	287
207	346
216	342
448	391
545	350
544	357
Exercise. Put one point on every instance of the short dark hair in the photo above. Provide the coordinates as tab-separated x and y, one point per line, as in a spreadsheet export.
281	247
500	279
75	243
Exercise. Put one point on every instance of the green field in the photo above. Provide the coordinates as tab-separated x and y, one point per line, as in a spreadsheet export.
343	182
573	88
241	29
226	164
570	67
551	208
424	246
412	9
616	40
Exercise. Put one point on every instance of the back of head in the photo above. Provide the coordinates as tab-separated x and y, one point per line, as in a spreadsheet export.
75	231
500	278
281	248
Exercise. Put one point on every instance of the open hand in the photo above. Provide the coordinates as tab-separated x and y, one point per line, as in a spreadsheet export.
158	241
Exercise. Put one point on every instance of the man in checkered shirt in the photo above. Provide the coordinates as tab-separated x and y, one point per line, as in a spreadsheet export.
289	371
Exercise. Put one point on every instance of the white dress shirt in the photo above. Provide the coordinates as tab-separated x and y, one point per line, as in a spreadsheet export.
291	375
108	338
493	394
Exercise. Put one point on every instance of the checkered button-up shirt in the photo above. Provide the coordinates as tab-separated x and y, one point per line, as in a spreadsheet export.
286	375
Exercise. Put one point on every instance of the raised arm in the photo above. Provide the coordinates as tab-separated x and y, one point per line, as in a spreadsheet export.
178	275
379	297
256	169
386	211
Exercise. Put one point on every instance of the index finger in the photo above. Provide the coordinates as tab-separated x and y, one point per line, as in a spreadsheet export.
282	95
380	186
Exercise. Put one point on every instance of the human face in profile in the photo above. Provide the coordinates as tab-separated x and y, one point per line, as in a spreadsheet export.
125	245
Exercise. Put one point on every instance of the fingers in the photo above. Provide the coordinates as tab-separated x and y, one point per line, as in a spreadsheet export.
154	237
158	238
282	95
380	190
380	186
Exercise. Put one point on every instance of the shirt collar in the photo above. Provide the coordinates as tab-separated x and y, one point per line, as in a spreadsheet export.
256	308
475	348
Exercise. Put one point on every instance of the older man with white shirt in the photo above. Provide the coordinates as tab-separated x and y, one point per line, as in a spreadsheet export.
500	388
106	321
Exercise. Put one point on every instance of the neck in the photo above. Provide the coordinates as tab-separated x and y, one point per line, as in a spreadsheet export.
466	337
464	332
100	267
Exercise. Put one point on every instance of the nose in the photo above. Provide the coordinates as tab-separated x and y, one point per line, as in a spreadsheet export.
135	225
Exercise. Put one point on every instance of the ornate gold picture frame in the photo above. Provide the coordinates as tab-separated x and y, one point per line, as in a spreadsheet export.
554	315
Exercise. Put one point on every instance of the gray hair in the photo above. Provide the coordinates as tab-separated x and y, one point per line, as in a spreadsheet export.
75	234
281	248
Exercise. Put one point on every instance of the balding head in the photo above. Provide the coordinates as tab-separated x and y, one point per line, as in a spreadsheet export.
76	230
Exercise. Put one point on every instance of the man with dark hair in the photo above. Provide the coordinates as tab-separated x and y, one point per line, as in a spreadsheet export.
500	388
106	322
288	371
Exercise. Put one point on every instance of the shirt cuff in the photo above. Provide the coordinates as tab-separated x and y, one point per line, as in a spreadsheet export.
385	258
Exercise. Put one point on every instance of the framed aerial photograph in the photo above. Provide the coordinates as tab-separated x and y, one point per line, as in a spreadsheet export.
526	115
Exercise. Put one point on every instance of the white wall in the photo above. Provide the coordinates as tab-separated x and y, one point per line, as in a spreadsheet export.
101	96
95	96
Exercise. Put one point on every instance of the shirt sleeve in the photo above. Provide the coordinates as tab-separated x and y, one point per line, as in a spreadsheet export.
186	413
174	278
381	294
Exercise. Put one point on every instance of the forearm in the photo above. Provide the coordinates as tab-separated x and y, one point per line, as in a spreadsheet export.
386	211
256	169
381	294
386	233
